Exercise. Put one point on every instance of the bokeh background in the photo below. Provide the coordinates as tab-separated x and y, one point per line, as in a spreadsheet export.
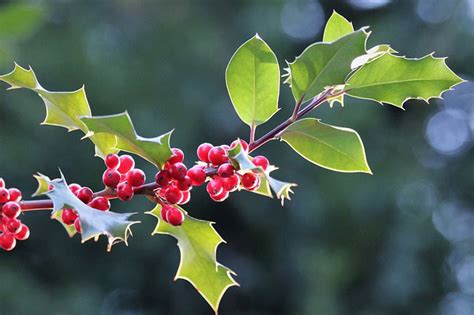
398	242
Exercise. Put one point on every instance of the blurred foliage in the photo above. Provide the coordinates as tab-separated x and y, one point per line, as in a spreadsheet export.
345	244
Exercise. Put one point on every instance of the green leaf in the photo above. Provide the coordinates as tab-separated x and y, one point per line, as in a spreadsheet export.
198	242
116	226
337	27
372	54
63	109
325	64
155	150
393	79
335	148
243	163
19	20
253	81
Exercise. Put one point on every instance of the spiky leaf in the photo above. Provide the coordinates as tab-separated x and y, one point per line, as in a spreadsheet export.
393	79
253	81
335	148
116	226
198	242
155	150
63	109
325	64
336	27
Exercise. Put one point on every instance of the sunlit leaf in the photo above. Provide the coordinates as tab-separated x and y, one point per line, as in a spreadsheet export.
336	27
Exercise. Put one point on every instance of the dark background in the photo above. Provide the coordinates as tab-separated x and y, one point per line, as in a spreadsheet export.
398	242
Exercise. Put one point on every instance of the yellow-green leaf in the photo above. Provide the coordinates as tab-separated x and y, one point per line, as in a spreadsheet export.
336	27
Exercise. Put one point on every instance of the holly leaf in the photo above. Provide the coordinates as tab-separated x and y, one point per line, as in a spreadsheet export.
63	109
198	242
116	226
325	64
336	27
253	81
372	54
394	80
243	163
155	150
335	148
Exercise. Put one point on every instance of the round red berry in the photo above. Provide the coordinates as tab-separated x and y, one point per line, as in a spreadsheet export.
12	225
217	156
69	216
220	197
203	152
4	195
7	242
74	188
15	194
23	233
164	212
111	178
126	164
2	183
11	209
243	144
226	170
100	203
185	184
214	187
197	175
162	178
250	181
125	191
77	225
186	198
178	171
173	195
85	194
112	161
175	217
261	161
177	156
136	177
231	183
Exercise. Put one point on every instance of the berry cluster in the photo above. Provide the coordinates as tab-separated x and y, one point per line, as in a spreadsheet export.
11	228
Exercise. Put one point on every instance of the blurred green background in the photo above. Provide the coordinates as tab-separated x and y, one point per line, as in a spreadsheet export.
398	242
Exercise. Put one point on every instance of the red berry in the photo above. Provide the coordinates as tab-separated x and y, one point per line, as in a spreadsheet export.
162	178
173	195
74	188
175	217
136	177
111	178
23	233
261	161
15	194
226	170
231	183
4	195
85	194
214	187
250	181
220	197
186	198
2	183
178	171
12	225
112	161
126	164
203	152
11	209
164	212
185	184
197	175
77	225
243	143
69	216
7	242
100	203
217	156
178	156
125	191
